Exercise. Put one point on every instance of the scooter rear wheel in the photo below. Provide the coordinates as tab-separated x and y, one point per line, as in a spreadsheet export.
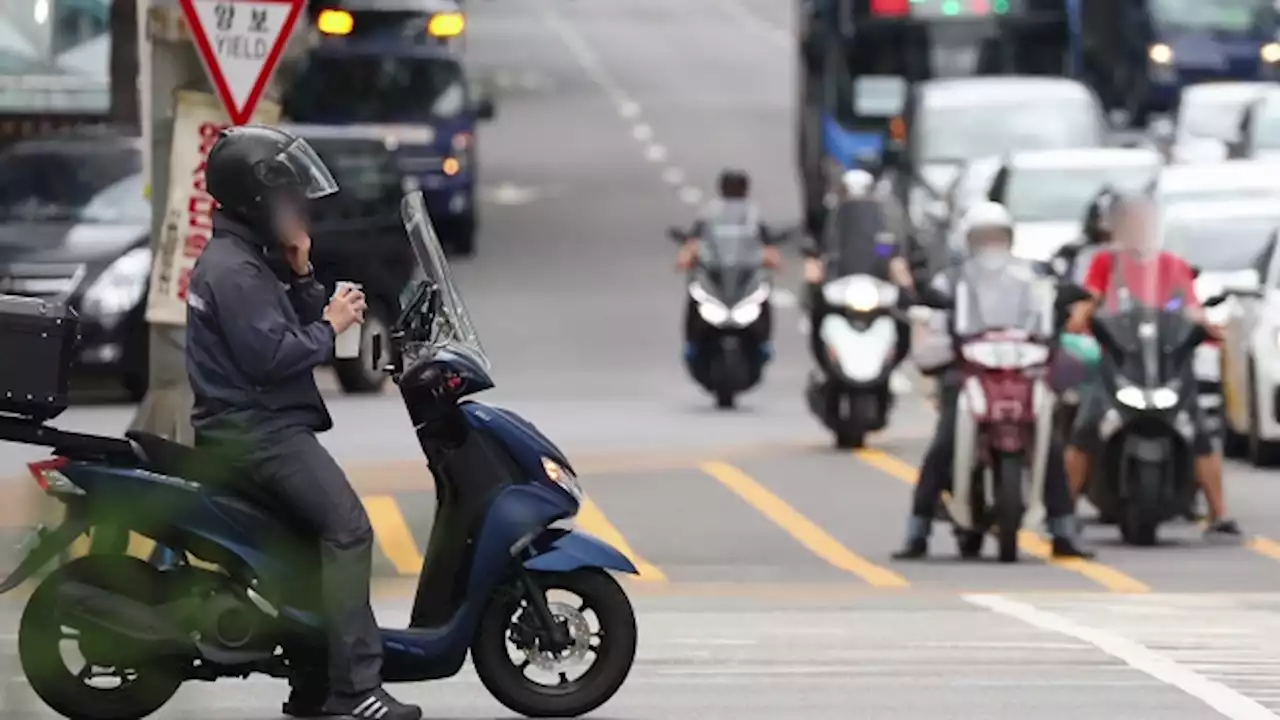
145	686
611	645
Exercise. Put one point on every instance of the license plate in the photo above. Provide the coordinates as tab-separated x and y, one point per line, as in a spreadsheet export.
1149	450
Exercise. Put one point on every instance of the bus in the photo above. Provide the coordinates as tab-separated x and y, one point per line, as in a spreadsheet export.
859	59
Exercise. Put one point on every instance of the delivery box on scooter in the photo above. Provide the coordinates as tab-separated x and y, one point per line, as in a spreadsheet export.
37	347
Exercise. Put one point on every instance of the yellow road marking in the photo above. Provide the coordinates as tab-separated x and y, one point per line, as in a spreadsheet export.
393	534
801	528
1031	543
1265	547
592	520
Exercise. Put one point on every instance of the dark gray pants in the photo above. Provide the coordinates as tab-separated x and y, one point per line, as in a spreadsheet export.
305	477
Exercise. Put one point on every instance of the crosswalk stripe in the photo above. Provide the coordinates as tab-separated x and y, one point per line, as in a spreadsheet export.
592	520
801	528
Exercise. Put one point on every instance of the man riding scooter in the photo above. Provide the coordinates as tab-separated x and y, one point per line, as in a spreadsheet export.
732	213
988	230
1135	251
856	336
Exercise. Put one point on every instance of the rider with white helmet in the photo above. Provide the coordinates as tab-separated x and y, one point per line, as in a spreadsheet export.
988	230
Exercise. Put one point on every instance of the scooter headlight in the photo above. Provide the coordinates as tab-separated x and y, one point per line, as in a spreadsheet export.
745	314
862	295
1132	397
561	476
1164	398
713	313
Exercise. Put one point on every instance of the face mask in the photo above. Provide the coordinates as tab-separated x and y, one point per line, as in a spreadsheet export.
992	257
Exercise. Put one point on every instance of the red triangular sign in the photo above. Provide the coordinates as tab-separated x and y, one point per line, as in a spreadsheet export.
240	43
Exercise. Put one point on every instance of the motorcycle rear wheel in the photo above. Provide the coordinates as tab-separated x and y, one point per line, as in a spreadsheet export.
40	635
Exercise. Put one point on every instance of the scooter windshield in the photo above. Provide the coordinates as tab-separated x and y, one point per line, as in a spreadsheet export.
452	329
1009	296
1144	311
857	240
731	261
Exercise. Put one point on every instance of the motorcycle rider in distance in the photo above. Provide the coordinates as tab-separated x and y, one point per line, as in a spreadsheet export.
988	231
258	326
857	211
1134	250
732	210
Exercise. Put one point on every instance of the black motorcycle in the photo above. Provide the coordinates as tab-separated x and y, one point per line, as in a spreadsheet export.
727	334
1143	474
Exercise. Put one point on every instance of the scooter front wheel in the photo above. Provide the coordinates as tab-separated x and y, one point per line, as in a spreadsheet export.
513	658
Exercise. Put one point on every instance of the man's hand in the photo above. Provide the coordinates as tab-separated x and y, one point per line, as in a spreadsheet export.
345	309
772	257
900	273
688	254
1078	321
298	251
814	271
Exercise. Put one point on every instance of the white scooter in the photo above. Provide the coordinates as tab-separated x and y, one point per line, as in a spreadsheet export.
858	331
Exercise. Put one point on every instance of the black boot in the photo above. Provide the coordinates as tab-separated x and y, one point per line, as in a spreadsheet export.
917	545
375	705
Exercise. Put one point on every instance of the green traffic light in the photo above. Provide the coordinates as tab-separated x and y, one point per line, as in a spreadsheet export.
951	7
1000	7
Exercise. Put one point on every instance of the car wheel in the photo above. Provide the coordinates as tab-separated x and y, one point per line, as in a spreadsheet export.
359	376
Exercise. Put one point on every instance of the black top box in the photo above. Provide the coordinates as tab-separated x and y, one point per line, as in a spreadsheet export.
37	348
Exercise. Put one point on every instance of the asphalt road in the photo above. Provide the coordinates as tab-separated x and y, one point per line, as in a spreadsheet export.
764	553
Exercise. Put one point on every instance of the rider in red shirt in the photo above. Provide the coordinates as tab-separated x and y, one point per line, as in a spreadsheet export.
1133	254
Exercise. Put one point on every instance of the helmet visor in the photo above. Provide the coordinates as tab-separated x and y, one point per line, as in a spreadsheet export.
300	169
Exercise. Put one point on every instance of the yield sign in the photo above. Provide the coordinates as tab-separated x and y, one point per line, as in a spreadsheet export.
240	43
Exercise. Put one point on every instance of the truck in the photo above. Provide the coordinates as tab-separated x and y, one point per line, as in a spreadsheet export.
859	59
397	67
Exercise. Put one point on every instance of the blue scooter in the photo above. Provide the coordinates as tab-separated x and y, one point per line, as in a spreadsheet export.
493	554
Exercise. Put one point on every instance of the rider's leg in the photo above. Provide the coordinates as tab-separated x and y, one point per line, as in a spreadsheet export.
1060	508
935	473
1084	439
1209	476
305	476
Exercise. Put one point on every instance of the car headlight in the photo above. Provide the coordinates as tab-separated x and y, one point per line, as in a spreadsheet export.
1164	398
561	476
1132	397
862	295
119	288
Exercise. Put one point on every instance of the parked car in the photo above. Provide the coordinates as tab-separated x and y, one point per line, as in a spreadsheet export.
75	226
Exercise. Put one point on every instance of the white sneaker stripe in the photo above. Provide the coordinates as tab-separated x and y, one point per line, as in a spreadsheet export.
362	707
382	711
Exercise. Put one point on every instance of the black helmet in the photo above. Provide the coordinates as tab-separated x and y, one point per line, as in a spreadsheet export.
254	171
734	184
1097	217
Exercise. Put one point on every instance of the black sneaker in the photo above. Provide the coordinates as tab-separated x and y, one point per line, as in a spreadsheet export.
913	550
376	705
1222	529
1064	547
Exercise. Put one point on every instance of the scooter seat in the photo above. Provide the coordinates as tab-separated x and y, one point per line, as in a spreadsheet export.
205	467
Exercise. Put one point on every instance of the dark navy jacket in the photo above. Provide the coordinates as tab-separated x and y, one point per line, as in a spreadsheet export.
253	343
